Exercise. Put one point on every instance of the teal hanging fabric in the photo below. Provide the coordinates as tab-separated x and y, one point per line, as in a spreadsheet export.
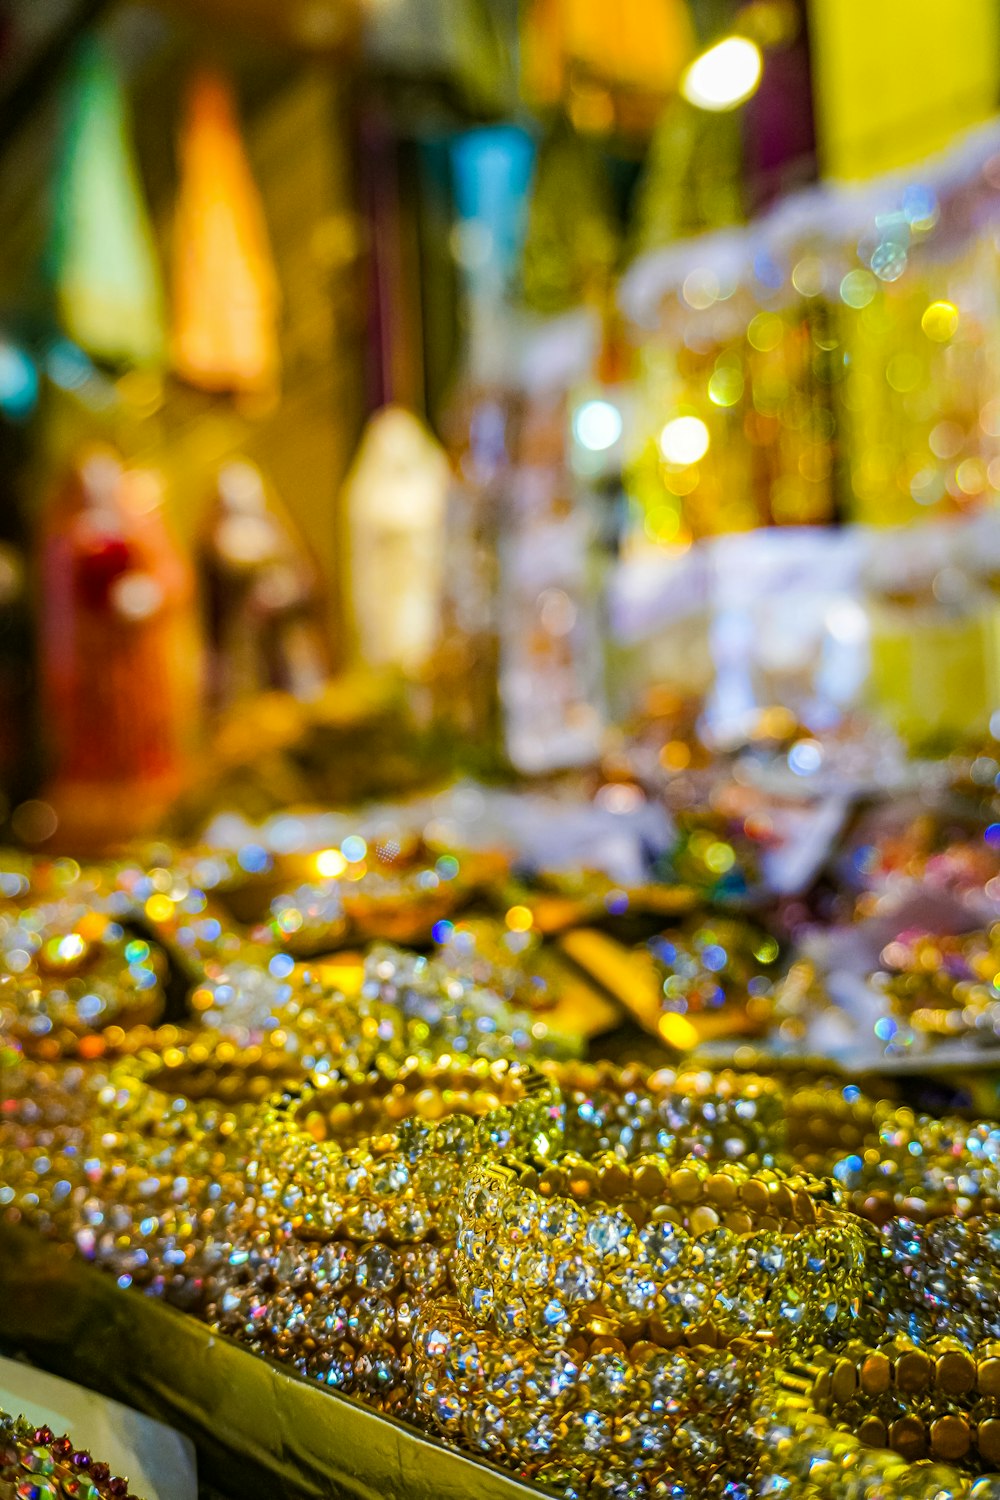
102	254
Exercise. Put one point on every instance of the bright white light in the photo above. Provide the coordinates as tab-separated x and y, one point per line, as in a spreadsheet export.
725	75
684	440
598	426
330	863
805	757
847	622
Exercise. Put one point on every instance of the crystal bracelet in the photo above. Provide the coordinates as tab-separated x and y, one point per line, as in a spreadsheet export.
940	1402
683	1252
595	1405
801	1455
718	1115
338	1297
411	1131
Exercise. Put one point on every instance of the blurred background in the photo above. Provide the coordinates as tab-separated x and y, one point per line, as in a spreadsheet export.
397	388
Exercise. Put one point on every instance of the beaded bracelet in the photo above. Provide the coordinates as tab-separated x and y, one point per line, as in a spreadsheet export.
131	1163
37	1465
940	1402
801	1455
941	1279
924	1167
686	1252
943	985
339	1312
342	1310
330	1277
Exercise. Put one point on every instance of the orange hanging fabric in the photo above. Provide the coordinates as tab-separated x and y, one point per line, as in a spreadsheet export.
634	48
543	52
226	294
639	44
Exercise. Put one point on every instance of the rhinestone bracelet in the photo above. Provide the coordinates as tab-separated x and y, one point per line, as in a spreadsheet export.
124	1163
594	1406
923	1167
688	1252
941	1279
717	1115
803	1456
400	1178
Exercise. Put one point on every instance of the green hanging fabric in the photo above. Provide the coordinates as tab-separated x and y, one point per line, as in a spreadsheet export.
102	254
572	244
693	179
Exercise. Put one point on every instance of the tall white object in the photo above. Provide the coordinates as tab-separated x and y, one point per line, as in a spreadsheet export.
396	496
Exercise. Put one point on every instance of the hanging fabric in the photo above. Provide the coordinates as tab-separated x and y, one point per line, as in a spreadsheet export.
491	174
226	295
610	66
395	500
693	179
569	254
101	252
450	47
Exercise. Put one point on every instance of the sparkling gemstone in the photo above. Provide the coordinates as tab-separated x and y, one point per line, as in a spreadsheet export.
608	1378
554	1377
767	1253
485	1428
587	1432
550	1322
447	1408
559	1222
512	1318
574	1281
665	1245
608	1234
376	1269
669	1378
719	1255
372	1319
334	1266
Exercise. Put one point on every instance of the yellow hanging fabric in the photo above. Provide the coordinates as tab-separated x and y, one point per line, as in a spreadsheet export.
638	44
543	52
897	81
226	295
